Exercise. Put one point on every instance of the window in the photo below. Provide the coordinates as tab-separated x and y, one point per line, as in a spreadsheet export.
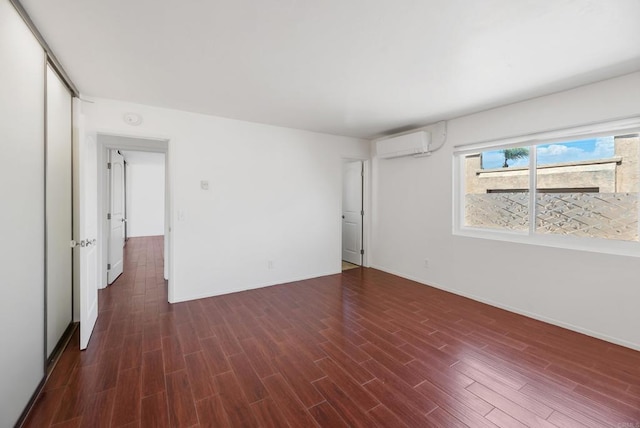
575	188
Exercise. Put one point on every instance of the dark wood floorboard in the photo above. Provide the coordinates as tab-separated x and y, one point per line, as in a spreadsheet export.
361	348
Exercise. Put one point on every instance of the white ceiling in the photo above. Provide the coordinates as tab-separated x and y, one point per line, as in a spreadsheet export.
349	67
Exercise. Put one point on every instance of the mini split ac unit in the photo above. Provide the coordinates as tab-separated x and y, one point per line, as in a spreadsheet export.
413	144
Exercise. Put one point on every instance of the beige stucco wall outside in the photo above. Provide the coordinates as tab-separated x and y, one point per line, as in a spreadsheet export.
627	172
619	174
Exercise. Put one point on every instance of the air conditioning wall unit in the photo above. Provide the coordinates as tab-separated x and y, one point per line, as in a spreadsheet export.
413	144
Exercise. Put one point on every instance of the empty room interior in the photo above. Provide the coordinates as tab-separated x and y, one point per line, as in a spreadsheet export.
340	213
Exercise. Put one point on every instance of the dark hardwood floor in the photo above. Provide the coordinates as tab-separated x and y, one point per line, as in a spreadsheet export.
362	348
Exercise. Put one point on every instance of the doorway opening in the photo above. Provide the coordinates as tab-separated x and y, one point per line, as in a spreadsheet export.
134	199
353	173
135	202
347	266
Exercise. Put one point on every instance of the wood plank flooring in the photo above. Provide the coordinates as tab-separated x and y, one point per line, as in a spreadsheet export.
362	349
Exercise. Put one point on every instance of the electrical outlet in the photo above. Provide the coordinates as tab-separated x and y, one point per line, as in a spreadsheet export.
426	263
270	264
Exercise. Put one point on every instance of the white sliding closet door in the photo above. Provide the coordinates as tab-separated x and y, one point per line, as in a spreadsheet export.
22	247
59	210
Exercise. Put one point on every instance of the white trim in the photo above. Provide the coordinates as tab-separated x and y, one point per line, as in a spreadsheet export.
594	245
533	184
368	210
548	320
245	287
457	189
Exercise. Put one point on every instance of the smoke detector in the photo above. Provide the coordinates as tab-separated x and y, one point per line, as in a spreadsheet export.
133	119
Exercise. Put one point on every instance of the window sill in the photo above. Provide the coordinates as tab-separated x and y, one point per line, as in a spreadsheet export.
594	245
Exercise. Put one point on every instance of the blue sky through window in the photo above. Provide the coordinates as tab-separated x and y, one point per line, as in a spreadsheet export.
571	151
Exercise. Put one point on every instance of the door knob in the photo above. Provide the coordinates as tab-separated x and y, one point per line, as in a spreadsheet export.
83	243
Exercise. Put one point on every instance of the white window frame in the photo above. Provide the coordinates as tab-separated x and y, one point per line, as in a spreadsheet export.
601	129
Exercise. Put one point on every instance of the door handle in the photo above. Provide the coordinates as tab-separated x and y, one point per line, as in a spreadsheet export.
83	243
342	216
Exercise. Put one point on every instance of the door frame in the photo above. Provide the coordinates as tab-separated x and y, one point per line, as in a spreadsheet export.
366	207
112	141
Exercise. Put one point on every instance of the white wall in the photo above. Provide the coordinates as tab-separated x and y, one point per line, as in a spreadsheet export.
275	195
145	193
589	292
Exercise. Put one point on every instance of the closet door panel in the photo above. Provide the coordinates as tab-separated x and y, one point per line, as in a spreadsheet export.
59	210
22	246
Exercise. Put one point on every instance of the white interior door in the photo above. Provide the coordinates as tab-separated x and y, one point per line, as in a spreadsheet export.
59	210
86	194
116	214
352	212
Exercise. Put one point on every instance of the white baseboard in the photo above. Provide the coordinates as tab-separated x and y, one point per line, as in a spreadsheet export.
219	292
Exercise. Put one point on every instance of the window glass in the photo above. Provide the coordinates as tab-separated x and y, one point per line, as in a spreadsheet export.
589	188
497	189
573	188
